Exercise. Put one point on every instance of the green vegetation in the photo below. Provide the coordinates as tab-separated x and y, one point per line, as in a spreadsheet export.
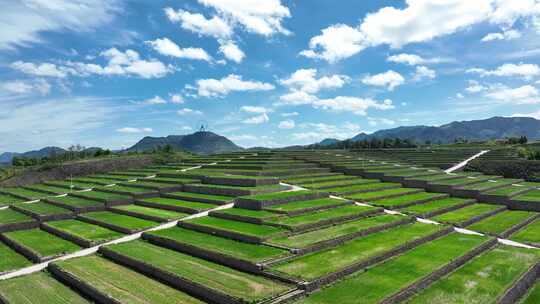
76	202
529	234
533	297
383	193
483	279
88	232
457	181
328	214
41	243
317	264
349	181
363	187
119	220
240	250
164	215
410	198
530	196
259	214
490	184
181	204
195	196
501	222
38	288
309	238
301	205
247	287
466	213
237	227
29	194
42	208
10	216
8	199
279	195
103	196
11	260
387	278
47	188
130	190
505	191
122	284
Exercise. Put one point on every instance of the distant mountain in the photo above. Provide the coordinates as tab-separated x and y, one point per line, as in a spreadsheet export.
7	157
486	129
328	141
198	142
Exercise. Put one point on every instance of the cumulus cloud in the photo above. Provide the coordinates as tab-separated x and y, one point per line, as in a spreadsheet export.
286	124
358	106
177	98
188	111
232	52
413	59
155	100
526	94
25	22
232	83
506	35
526	71
253	109
43	69
296	98
389	79
134	130
335	43
305	80
475	87
423	73
535	115
20	87
257	120
167	47
197	23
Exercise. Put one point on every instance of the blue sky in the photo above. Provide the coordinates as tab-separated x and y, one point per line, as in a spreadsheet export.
263	73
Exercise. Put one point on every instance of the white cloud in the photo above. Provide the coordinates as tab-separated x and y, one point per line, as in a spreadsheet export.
43	69
380	121
506	35
215	27
177	98
336	42
423	72
526	71
389	79
231	83
286	124
526	94
413	59
291	114
20	87
535	115
232	52
252	109
25	22
134	130
305	80
257	120
475	87
355	105
167	47
188	111
296	98
155	100
460	96
259	17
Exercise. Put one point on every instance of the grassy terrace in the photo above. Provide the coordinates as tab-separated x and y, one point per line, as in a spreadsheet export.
119	220
389	277
30	194
10	216
533	296
247	287
531	196
46	188
76	185
350	181
279	195
240	250
164	215
133	190
259	214
363	187
505	191
8	199
196	207
483	279
98	181
309	238
92	233
530	234
11	260
383	193
490	184
41	243
436	177
501	222
38	288
148	184
457	181
75	201
262	231
466	213
103	195
302	205
195	196
122	284
318	179
317	264
42	208
315	217
410	198
171	180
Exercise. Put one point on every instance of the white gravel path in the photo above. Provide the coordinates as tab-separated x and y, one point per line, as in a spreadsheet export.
465	162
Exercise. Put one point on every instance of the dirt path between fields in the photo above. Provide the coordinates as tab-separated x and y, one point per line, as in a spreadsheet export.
465	162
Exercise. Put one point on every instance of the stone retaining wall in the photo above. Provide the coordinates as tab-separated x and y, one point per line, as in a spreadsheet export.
207	189
25	251
19	226
388	196
365	190
252	204
126	201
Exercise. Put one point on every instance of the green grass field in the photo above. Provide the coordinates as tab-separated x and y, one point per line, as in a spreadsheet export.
349	181
249	288
42	208
10	216
29	194
103	196
387	278
42	243
328	214
501	222
457	181
89	232
362	197
122	284
38	288
47	188
171	202
165	215
11	260
245	251
410	198
309	238
505	191
196	196
262	231
531	196
8	199
255	214
279	195
481	280
75	201
533	296
301	205
529	234
317	264
126	189
120	220
466	213
362	187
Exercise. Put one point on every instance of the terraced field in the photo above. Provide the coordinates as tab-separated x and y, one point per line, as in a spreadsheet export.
360	227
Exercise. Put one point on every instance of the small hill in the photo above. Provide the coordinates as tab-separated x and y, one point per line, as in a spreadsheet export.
328	141
485	129
198	142
7	157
